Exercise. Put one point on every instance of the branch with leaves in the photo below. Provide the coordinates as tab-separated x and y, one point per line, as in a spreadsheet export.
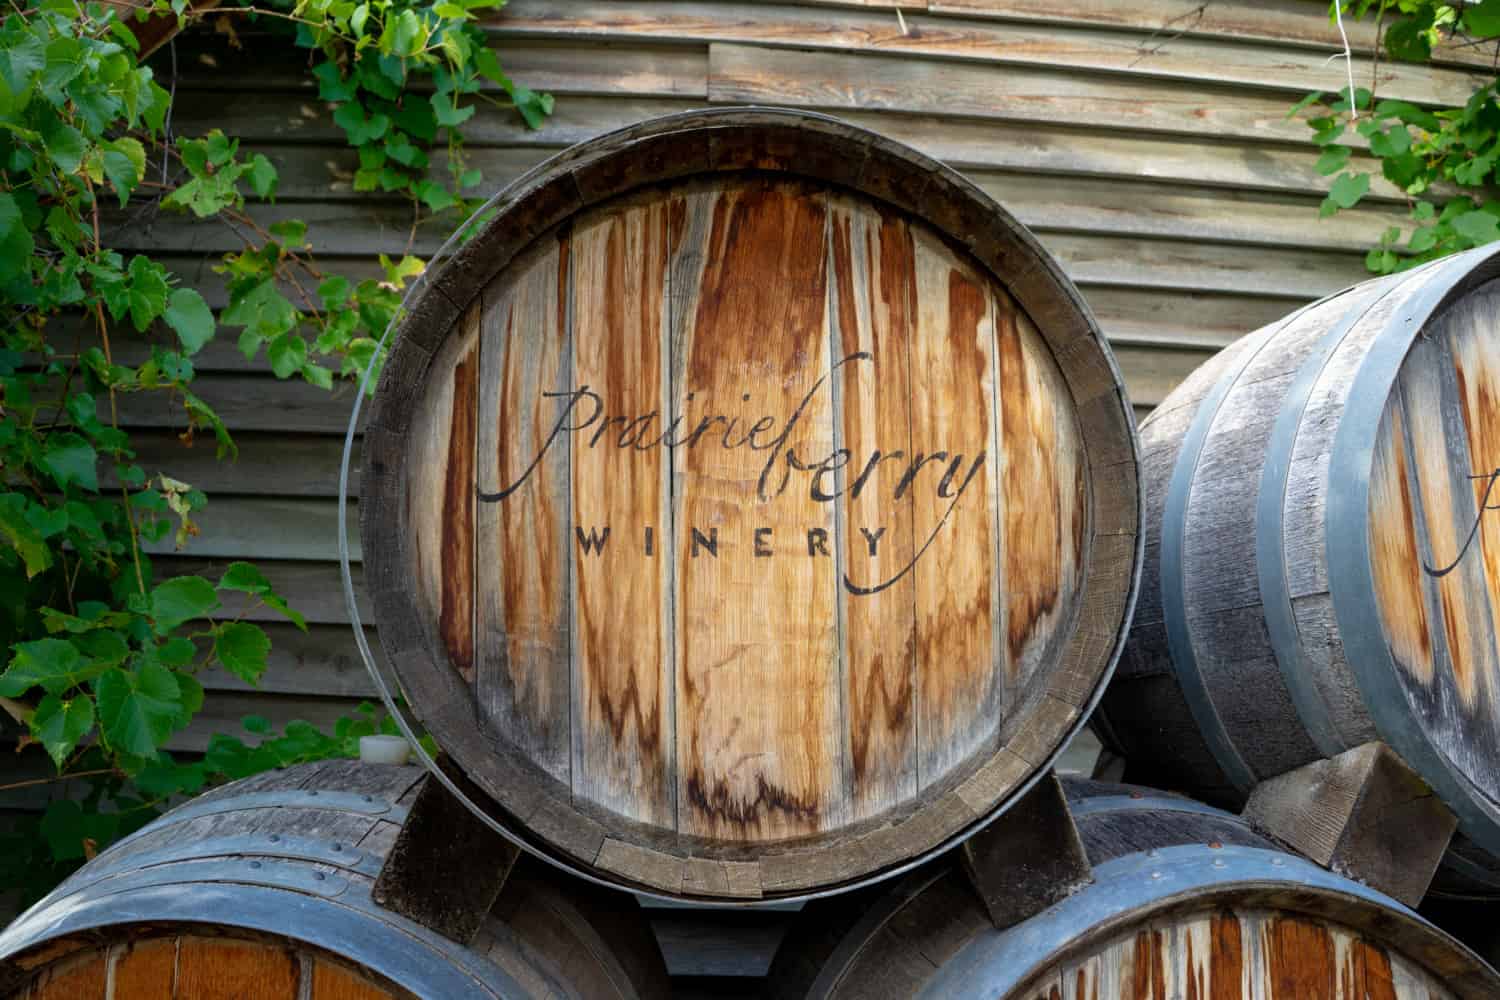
105	659
1444	160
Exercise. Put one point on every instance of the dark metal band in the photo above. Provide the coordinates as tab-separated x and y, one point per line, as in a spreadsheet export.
1270	533
1173	583
1099	804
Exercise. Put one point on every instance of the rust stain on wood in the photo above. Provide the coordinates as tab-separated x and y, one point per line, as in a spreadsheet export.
246	970
1226	967
1299	957
622	660
1395	560
1476	367
145	968
757	667
875	285
959	673
456	619
522	613
1150	966
81	978
331	981
1032	493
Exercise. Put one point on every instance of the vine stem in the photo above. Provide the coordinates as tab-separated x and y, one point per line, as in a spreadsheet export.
60	777
114	406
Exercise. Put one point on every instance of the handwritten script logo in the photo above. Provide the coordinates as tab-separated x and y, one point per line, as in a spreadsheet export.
582	410
1484	505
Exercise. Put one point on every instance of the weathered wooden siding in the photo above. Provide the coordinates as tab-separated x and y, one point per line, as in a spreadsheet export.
1144	140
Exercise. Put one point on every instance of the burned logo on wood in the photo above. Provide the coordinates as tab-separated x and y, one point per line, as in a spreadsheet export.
582	418
1488	478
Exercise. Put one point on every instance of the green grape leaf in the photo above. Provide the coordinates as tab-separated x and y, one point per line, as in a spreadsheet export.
59	725
287	354
1348	189
16	529
138	710
16	242
21	56
180	600
242	649
262	176
190	316
54	665
65	144
148	291
358	127
71	459
1478	228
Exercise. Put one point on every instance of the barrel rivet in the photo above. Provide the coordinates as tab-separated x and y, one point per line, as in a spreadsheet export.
1215	845
319	876
275	838
311	794
1156	874
338	847
1219	863
255	864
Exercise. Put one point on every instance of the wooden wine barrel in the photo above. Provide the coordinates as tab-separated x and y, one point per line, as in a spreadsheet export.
1187	902
750	507
260	890
1322	568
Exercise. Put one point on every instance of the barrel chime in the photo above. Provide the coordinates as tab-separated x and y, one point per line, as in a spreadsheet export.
752	511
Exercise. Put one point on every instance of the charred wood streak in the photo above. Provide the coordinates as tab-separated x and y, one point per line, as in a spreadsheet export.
456	620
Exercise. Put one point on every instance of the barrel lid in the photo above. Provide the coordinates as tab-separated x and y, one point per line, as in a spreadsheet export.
1413	541
750	506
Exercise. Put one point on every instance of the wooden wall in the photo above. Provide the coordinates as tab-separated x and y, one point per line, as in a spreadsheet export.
1146	142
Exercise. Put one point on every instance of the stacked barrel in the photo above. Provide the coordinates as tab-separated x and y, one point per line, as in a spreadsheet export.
1323	571
753	511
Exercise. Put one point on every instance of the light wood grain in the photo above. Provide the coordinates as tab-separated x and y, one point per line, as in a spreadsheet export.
622	668
835	81
523	545
1287	21
1045	497
961	680
873	311
758	656
1095	48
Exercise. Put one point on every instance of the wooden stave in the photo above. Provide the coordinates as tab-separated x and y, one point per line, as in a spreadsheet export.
270	884
1405	303
719	142
1140	842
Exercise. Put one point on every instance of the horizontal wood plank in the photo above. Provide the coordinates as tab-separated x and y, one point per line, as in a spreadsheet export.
1042	199
315	589
1128	261
502	147
268	528
837	81
1223	59
322	661
574	67
1292	22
